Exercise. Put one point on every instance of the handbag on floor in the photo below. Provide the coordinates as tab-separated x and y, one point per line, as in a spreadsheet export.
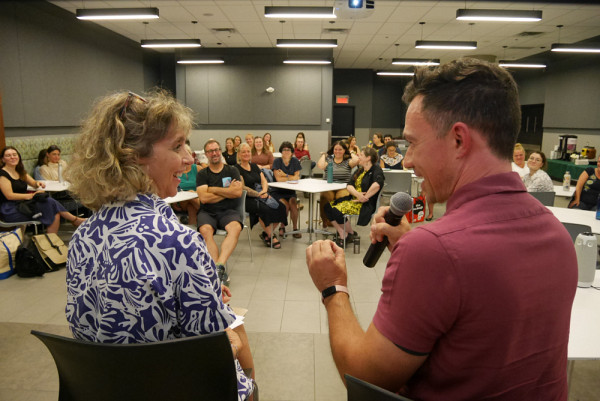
29	262
10	242
52	249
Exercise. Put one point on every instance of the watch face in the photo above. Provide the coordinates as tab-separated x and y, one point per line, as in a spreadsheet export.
329	291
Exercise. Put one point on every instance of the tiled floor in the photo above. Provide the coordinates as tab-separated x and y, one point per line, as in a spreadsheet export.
286	324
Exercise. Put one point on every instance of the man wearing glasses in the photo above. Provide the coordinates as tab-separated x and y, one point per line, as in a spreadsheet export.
219	188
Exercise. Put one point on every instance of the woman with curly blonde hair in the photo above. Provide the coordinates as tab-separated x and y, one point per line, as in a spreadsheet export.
132	264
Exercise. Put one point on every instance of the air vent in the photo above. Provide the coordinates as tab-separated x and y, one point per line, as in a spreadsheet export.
224	30
336	31
528	34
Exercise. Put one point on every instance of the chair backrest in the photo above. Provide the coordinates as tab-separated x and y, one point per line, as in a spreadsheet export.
35	223
547	198
190	368
306	170
360	390
399	181
242	204
576	229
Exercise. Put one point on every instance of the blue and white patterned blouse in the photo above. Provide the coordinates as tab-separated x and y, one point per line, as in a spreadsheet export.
135	274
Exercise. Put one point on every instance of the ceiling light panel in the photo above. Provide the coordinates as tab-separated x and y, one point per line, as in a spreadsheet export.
299	12
498	15
116	13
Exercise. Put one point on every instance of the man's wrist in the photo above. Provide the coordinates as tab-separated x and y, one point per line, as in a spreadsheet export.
334	289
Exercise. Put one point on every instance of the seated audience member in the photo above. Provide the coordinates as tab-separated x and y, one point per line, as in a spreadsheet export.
587	189
268	144
134	273
260	156
237	140
343	163
303	137
391	158
13	190
49	171
300	152
249	138
188	183
219	189
42	160
364	187
287	168
387	138
377	142
260	206
230	153
518	164
537	180
352	147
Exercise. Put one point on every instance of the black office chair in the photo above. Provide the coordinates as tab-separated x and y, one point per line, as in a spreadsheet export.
192	368
546	198
576	229
360	390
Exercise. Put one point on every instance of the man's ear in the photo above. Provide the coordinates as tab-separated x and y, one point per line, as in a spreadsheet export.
461	135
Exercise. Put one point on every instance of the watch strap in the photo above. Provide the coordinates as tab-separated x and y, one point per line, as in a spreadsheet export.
332	290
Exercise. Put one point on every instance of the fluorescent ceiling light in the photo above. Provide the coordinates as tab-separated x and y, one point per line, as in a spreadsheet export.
299	12
171	43
201	61
572	48
306	42
116	13
498	15
445	44
306	61
516	64
395	73
416	61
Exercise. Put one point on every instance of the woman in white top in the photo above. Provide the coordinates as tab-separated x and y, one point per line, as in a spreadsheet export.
537	180
49	171
518	164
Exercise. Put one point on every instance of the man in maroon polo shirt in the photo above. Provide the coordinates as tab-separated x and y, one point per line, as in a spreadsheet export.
477	304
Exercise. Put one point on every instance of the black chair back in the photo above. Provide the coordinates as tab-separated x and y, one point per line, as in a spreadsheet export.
547	198
193	368
576	229
360	390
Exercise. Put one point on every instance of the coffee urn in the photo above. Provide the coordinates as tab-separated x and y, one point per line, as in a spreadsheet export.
567	145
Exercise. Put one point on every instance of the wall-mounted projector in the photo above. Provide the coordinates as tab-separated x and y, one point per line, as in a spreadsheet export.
353	9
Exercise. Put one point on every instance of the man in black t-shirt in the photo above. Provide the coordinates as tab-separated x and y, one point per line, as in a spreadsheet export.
219	188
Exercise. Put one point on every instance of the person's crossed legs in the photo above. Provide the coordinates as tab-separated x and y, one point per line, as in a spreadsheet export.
230	221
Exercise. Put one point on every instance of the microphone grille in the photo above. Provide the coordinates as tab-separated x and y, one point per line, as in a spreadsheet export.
401	203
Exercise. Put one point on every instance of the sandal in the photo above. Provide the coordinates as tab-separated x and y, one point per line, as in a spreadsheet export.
282	232
297	235
275	242
265	238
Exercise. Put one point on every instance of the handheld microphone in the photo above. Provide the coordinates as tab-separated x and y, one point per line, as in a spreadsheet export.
400	204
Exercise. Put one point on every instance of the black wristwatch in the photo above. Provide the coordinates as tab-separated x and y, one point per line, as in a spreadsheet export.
332	290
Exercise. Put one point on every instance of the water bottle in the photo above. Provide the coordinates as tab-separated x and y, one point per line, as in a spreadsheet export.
60	177
586	248
330	171
567	181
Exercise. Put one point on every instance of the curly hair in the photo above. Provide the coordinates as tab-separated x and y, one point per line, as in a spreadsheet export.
121	129
475	92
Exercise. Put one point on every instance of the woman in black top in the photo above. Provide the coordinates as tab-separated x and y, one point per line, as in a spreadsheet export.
13	188
259	211
587	190
230	153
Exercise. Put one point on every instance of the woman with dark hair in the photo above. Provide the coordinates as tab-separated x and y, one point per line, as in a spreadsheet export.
50	171
268	143
363	188
42	160
287	168
13	188
343	163
257	198
537	180
587	189
237	140
261	156
230	153
377	141
391	158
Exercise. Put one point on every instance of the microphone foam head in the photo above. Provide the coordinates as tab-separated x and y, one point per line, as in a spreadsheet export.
401	203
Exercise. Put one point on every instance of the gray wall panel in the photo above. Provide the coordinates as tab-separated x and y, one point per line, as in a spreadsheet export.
197	95
10	80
